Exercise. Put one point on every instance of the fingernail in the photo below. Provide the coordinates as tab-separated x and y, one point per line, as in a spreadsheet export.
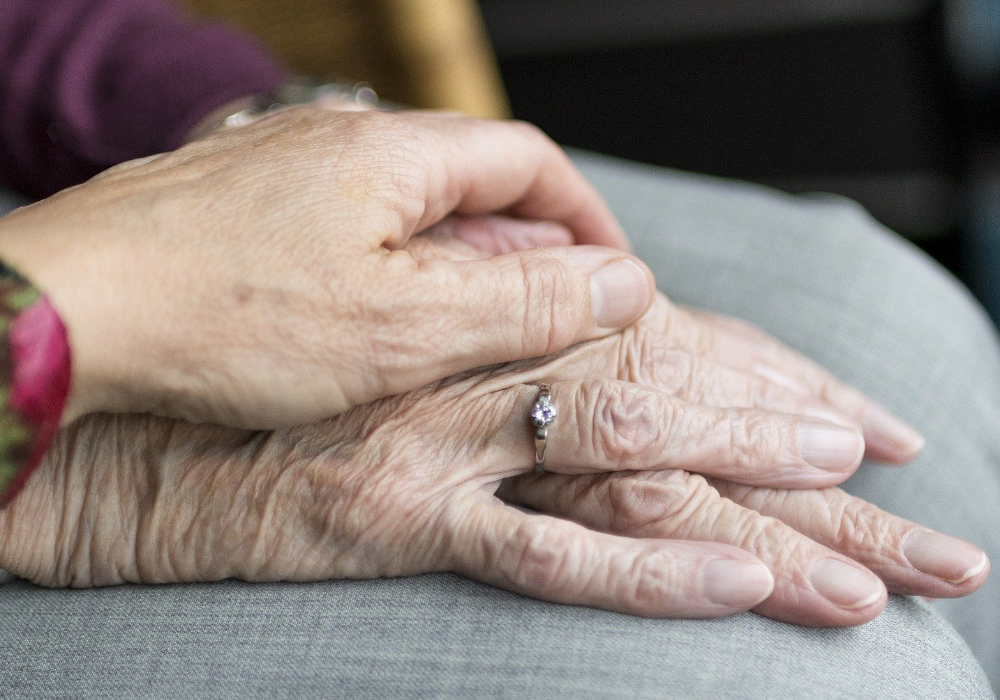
884	430
831	447
735	583
945	557
619	292
845	586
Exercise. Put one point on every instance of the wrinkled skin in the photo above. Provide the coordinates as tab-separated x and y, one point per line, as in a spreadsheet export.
701	453
257	277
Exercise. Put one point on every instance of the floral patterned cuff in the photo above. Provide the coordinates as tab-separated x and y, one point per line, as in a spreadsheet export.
34	379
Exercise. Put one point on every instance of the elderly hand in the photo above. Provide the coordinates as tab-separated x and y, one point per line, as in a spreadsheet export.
406	485
822	546
694	355
257	278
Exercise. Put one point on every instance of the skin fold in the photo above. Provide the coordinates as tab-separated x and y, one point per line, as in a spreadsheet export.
672	488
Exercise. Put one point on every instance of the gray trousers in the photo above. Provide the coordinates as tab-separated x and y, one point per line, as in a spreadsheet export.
816	272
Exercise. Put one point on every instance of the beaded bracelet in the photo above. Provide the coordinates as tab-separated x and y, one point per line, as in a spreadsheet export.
34	379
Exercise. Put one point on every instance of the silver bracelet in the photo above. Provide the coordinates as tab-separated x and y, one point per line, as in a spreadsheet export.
300	91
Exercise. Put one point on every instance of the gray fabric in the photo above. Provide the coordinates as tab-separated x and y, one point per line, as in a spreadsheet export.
445	637
816	272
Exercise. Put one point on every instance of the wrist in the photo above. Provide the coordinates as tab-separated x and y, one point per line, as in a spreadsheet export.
55	268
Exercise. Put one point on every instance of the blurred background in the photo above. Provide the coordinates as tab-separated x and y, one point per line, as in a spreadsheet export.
894	103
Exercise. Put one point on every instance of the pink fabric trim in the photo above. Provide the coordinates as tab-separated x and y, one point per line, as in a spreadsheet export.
40	357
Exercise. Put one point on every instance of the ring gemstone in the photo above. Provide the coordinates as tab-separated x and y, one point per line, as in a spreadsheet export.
543	413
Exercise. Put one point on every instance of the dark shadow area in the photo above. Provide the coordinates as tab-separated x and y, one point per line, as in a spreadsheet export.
867	101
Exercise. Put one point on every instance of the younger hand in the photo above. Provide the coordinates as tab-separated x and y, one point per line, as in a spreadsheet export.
258	277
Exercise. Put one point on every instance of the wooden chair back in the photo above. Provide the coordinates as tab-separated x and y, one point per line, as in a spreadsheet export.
425	53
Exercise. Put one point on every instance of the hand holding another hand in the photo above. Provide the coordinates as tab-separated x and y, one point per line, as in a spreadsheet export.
259	278
695	518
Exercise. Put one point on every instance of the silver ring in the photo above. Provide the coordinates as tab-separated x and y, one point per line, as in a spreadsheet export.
543	414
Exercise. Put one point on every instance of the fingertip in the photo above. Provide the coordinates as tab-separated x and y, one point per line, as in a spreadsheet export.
835	593
947	558
890	439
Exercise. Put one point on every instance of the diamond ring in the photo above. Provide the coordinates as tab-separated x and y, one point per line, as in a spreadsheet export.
543	414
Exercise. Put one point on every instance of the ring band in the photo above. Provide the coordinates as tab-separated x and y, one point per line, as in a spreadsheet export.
543	414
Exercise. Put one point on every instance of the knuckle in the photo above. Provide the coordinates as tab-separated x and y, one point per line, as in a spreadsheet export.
648	359
549	300
765	537
756	442
625	424
541	558
656	503
859	526
654	579
769	537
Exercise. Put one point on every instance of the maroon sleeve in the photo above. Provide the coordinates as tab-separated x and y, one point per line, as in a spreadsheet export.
86	84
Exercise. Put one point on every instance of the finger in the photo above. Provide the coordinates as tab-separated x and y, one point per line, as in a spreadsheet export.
910	558
498	235
562	562
605	425
699	380
737	344
483	166
454	316
652	360
813	584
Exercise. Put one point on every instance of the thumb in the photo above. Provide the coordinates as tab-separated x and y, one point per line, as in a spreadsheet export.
443	317
532	303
